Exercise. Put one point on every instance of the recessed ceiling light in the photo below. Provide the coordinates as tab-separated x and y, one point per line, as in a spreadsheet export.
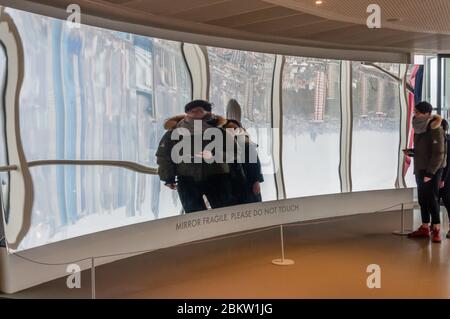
319	2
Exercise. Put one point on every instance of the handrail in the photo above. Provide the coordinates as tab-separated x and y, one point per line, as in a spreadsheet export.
124	164
8	168
398	79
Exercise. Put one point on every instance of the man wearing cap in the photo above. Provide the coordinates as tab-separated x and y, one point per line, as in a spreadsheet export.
430	151
194	179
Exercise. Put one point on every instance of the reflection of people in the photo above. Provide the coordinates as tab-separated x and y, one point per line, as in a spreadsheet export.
444	191
194	179
249	190
429	159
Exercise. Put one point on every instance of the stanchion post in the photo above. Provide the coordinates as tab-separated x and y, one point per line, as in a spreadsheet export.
402	231
445	219
92	278
282	261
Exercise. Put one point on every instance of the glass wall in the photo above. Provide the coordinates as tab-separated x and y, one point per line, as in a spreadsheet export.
88	92
96	94
247	78
376	126
4	176
109	201
311	126
445	85
91	93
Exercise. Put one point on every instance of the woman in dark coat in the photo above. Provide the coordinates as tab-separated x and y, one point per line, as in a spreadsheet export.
248	189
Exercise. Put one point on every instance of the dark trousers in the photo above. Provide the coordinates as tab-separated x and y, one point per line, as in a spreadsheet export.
428	194
243	193
216	189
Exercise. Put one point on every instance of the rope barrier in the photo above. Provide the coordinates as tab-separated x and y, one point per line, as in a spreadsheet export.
282	261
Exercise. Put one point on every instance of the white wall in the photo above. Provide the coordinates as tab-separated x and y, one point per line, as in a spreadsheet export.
17	273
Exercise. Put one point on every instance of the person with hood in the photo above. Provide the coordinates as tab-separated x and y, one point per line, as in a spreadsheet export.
249	189
429	155
198	176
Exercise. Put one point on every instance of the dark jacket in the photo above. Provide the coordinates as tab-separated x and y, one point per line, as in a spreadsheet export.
430	148
168	170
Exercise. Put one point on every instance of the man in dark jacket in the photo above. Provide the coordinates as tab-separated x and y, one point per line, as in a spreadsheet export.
196	175
429	160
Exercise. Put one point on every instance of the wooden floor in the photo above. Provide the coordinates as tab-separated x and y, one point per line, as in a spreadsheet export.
331	260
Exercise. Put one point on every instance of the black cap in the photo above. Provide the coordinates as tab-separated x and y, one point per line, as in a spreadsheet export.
198	103
424	107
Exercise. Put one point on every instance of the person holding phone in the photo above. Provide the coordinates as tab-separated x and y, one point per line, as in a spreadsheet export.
430	156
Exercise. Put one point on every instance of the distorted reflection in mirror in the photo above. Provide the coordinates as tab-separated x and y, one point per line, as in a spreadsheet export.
95	94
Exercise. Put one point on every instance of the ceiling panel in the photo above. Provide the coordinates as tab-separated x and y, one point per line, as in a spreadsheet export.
397	37
431	41
168	7
335	23
339	34
415	15
314	28
376	36
276	25
221	10
121	1
258	16
358	35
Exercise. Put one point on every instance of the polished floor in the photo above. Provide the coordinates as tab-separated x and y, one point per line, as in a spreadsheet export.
331	260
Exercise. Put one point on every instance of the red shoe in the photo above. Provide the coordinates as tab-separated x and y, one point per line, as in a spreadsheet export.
436	237
422	232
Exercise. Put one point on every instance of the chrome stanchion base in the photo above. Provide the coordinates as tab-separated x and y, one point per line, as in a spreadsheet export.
283	262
